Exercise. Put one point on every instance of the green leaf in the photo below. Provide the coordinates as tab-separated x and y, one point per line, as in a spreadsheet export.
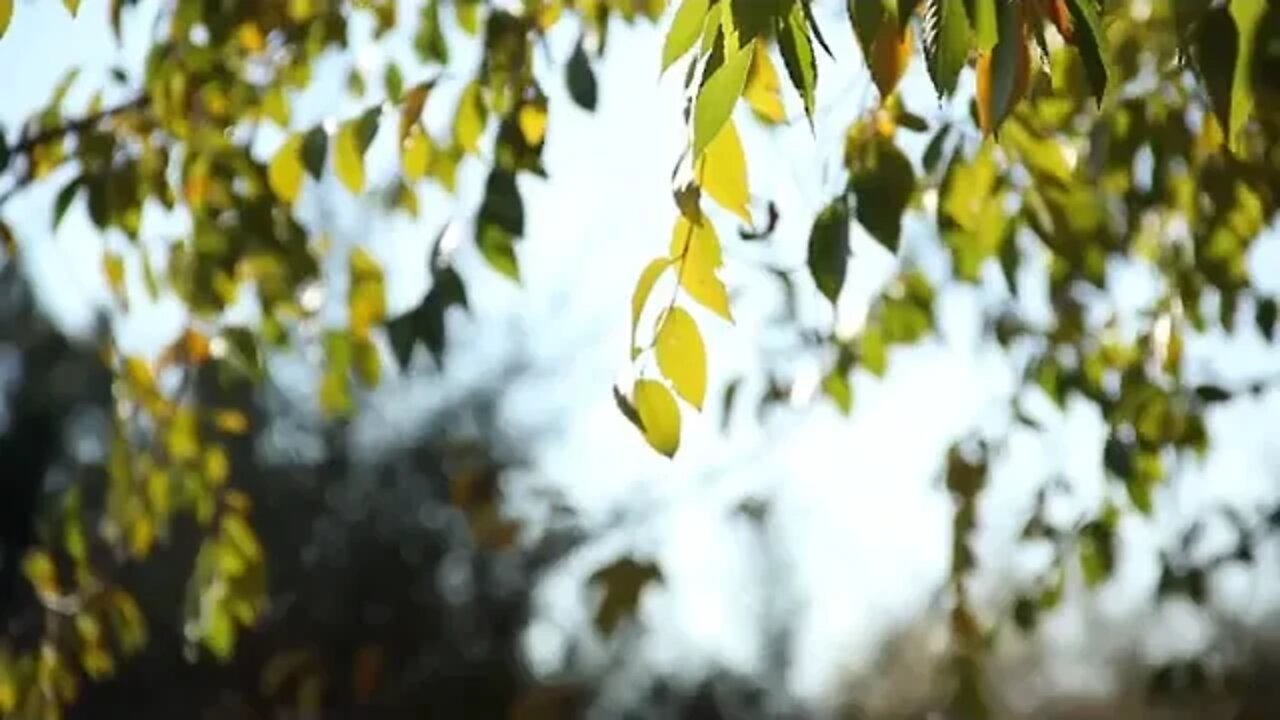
883	182
682	356
581	79
284	174
1091	38
500	222
797	55
866	18
64	199
836	386
659	416
719	94
829	249
315	149
1247	14
947	45
644	287
685	29
983	14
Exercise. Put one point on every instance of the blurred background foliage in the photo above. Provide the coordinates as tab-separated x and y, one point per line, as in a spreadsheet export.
201	528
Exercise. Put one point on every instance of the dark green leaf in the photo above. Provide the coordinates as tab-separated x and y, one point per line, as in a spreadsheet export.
829	249
581	78
315	147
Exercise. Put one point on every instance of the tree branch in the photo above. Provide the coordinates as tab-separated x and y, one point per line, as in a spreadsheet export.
27	144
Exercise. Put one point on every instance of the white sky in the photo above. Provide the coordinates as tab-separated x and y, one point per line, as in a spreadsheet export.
857	518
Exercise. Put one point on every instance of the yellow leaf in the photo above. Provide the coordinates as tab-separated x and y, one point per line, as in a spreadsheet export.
348	160
6	14
366	301
533	122
217	466
40	570
890	54
659	415
764	92
682	356
113	270
230	421
698	249
73	6
284	174
469	120
415	154
276	106
722	172
644	287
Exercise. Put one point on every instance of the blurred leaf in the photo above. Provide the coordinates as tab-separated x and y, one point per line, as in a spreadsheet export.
622	581
348	158
686	28
285	171
581	79
828	257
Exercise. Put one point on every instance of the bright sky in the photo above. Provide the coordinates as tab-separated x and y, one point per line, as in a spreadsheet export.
858	525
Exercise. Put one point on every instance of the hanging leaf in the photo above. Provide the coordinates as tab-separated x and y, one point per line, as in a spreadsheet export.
469	119
829	249
659	416
948	38
686	27
415	154
721	172
581	79
882	181
315	149
6	15
682	356
1004	73
284	174
1091	39
1247	14
719	94
697	249
348	159
644	287
797	55
622	582
763	90
411	108
890	55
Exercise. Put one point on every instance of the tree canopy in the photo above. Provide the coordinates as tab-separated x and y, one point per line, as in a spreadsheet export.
1067	138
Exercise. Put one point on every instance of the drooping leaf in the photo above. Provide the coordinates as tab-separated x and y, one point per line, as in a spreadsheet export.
469	119
798	56
285	171
415	154
659	416
6	15
686	28
622	582
890	54
948	38
882	181
719	94
348	158
721	172
1091	39
763	90
644	287
315	149
1247	15
696	247
581	79
828	256
682	355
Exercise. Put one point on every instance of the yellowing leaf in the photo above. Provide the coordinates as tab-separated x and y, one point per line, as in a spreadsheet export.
722	172
469	120
284	174
113	270
73	6
698	249
890	53
6	14
411	109
230	421
348	161
686	26
644	287
659	415
764	91
682	357
415	154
